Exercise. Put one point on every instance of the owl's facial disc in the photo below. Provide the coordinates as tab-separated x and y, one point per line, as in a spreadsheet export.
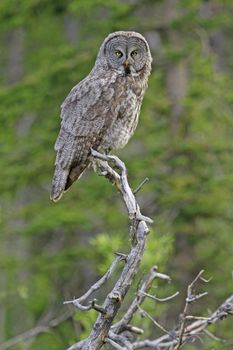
126	55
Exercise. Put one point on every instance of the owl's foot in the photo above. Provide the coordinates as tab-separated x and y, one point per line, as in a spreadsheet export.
98	167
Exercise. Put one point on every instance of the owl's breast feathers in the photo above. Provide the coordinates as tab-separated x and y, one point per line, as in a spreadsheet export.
125	107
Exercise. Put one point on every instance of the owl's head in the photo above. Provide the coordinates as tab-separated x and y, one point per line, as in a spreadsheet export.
128	53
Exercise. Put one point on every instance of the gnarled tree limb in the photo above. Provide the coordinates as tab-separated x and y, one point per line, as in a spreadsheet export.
104	331
139	231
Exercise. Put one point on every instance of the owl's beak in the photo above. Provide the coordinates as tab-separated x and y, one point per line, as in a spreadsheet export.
127	67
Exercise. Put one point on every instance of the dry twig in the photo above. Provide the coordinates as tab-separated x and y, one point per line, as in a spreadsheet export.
96	286
191	297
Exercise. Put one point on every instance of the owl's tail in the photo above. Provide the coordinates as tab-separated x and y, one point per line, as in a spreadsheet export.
63	179
58	183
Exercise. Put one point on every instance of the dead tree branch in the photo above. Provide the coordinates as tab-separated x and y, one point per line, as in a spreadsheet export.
124	322
104	331
191	297
138	233
195	329
92	304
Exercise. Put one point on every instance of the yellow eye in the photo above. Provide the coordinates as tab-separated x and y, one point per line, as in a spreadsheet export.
118	53
134	53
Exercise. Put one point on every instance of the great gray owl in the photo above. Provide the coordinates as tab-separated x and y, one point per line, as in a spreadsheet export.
101	112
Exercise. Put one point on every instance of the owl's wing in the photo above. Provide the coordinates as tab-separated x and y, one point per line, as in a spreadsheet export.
86	114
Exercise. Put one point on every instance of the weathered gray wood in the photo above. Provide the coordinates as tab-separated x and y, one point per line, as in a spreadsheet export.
104	331
138	232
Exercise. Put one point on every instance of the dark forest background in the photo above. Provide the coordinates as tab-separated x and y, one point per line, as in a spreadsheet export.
184	143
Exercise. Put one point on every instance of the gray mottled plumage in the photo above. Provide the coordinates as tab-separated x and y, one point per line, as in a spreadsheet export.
101	112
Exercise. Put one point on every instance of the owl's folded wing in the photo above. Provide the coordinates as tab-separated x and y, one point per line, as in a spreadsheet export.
86	115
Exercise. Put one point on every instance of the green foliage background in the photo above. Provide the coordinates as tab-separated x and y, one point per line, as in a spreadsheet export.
184	142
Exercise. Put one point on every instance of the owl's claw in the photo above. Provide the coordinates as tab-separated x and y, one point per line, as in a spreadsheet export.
96	165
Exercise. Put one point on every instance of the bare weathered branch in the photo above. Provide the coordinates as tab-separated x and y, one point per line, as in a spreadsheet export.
103	331
189	299
144	313
122	183
141	185
113	343
170	297
77	302
139	231
171	340
120	339
122	324
141	295
114	299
